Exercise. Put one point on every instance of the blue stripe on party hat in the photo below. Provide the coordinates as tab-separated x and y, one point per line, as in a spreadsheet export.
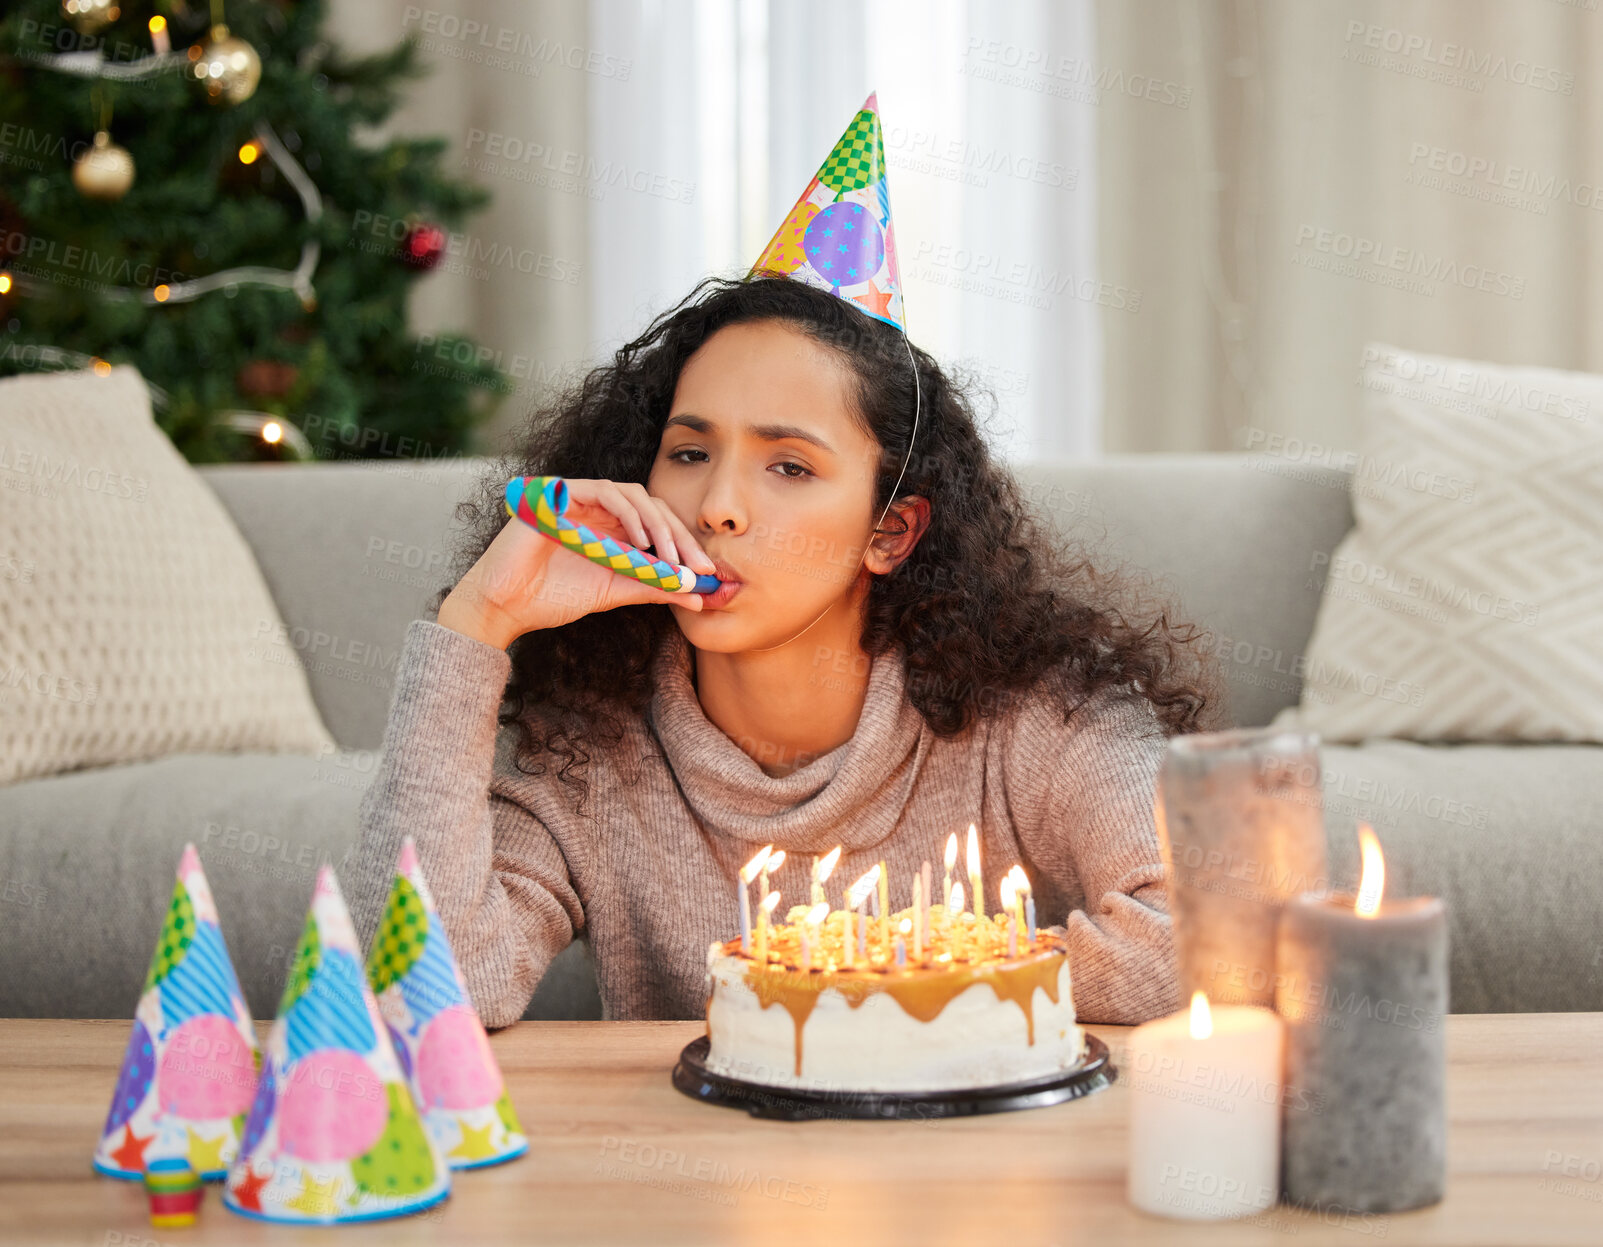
203	982
431	984
330	1013
838	236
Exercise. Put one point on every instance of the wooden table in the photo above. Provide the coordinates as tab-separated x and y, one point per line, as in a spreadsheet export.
618	1156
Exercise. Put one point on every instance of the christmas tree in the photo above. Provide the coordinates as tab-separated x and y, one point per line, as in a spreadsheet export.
180	189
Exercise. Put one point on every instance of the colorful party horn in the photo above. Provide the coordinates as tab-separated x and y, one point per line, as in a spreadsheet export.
334	1134
189	1071
435	1030
542	501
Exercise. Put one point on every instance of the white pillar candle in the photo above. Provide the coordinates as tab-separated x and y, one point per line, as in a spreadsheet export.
1205	1111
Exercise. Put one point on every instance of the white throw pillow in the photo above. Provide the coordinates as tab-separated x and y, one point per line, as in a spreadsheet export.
1467	601
134	621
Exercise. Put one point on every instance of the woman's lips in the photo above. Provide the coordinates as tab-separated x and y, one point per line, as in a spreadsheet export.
721	598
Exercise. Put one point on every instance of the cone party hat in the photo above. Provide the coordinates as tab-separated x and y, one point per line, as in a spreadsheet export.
189	1071
838	237
334	1134
436	1031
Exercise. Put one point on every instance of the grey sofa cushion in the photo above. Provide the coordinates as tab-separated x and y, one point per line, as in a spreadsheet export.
88	861
1509	835
1506	833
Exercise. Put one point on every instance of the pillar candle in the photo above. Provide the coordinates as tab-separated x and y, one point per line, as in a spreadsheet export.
1240	823
1205	1089
1364	1000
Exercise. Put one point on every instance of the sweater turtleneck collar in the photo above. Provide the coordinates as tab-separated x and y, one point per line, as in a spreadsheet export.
853	795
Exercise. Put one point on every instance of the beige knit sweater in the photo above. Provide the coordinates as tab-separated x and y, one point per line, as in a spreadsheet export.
649	871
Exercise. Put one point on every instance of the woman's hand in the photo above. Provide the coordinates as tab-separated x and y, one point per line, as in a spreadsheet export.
524	581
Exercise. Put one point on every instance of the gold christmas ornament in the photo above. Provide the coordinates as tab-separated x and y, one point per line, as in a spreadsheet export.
105	171
227	67
90	16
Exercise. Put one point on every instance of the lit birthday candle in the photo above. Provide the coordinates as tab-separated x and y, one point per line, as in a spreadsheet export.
978	899
884	895
956	930
771	866
763	911
748	872
809	932
951	860
823	867
918	918
925	876
856	898
1009	902
1021	885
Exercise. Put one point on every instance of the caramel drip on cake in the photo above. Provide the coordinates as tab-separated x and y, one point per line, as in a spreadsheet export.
922	991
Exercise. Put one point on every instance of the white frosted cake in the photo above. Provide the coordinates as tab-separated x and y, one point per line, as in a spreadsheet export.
975	1010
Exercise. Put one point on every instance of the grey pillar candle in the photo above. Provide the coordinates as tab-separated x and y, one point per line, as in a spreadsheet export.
1240	818
1364	1001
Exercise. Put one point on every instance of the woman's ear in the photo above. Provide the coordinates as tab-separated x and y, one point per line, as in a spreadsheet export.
887	549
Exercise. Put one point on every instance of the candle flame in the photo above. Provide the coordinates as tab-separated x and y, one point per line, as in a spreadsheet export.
826	864
769	901
753	868
1008	891
973	850
951	850
817	913
1021	882
775	861
957	898
905	925
1201	1016
1372	882
860	890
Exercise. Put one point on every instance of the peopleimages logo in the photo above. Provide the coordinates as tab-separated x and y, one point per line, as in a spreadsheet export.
1365	256
1423	51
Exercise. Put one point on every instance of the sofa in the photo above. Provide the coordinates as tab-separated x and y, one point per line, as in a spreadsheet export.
1511	835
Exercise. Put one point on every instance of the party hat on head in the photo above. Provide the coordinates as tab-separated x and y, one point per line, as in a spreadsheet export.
838	237
436	1032
334	1134
189	1071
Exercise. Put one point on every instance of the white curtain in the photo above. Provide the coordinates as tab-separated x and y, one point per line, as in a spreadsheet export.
732	105
1415	172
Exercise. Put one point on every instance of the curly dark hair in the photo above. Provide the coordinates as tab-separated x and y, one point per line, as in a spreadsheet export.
990	603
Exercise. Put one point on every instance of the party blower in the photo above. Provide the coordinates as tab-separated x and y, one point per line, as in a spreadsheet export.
543	502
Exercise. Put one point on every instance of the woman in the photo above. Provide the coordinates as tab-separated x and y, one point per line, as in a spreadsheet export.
876	688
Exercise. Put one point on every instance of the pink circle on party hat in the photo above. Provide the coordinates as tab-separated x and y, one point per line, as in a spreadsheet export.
455	1067
207	1069
333	1106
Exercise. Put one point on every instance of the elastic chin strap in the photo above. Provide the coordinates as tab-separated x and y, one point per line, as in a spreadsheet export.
906	459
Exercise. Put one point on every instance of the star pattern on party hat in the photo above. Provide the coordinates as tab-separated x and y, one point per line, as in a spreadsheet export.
838	236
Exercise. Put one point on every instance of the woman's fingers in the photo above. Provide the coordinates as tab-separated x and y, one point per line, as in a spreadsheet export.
612	496
656	516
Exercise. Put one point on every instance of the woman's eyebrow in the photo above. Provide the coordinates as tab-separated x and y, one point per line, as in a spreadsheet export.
767	432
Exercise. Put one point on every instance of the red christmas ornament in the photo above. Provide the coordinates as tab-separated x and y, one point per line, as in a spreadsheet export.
423	246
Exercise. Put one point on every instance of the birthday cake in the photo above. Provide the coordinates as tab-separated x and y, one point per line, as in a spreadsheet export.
973	1005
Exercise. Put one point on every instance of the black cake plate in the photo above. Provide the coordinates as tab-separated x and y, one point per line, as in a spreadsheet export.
691	1075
